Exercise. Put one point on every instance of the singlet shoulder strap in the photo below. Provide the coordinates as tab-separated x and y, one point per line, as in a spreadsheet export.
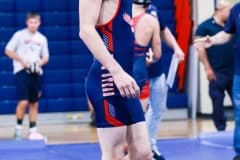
137	18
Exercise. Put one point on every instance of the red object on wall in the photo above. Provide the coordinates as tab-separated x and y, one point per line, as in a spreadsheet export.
184	34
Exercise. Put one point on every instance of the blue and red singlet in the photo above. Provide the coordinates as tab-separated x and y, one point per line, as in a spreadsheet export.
114	111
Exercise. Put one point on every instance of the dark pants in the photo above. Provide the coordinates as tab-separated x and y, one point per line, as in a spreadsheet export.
217	88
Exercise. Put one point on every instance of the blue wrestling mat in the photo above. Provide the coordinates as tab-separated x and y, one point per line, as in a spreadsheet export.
208	146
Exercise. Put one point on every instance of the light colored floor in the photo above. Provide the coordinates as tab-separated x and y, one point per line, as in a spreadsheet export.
76	132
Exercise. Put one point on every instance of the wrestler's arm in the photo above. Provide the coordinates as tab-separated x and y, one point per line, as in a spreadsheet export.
89	11
168	37
156	40
220	38
155	52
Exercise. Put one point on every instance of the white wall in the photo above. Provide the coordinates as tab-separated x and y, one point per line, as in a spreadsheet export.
205	9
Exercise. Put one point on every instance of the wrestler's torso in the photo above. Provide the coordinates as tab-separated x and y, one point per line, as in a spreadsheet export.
139	68
115	31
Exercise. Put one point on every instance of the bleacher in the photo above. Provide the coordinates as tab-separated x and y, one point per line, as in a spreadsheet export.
63	88
63	81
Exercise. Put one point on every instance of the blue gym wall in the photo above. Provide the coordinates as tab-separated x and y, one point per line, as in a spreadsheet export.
63	81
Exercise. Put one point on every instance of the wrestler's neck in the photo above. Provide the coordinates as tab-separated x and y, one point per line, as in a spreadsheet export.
138	9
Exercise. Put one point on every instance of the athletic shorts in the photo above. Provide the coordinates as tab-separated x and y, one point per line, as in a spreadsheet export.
111	111
116	111
28	86
145	91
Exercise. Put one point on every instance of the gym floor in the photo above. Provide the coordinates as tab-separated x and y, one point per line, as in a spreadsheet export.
75	128
70	137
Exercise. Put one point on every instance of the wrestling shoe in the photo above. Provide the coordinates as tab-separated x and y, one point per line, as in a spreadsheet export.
35	135
157	155
236	158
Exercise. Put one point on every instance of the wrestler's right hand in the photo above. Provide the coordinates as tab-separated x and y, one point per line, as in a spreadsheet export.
126	85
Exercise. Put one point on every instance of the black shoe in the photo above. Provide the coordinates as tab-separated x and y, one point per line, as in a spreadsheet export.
236	158
221	128
157	156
